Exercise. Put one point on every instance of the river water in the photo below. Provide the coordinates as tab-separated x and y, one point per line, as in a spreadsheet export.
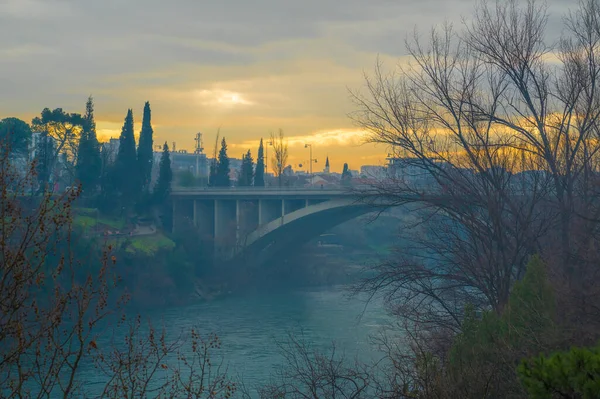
249	326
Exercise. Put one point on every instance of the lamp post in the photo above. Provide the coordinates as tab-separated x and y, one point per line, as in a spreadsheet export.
269	143
310	162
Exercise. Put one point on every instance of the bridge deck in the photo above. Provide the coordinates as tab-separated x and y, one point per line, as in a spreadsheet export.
259	193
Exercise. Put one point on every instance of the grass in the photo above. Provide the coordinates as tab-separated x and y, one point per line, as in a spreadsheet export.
88	217
149	245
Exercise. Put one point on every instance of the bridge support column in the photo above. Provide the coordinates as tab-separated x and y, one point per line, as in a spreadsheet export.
247	218
204	219
269	210
225	223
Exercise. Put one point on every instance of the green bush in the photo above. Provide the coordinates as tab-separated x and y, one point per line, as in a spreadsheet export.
572	374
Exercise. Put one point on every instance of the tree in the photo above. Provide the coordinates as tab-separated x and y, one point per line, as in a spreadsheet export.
17	133
222	170
145	153
64	129
246	170
55	301
162	189
44	160
496	146
346	176
280	158
259	172
89	161
126	161
572	374
212	175
310	373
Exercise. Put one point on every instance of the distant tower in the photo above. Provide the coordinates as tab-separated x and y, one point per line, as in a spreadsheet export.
326	170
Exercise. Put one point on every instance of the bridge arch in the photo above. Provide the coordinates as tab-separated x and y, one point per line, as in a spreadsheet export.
257	224
292	230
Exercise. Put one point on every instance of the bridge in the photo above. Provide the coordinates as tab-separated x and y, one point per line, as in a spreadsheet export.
261	223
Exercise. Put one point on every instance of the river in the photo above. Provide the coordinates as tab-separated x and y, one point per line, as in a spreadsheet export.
249	326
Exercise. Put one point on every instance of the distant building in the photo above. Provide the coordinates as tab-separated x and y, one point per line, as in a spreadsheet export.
373	172
196	163
326	170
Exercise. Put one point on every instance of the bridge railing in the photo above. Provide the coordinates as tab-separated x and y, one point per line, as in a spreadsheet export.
268	188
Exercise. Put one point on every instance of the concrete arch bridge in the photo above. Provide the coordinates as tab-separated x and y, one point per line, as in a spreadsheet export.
259	224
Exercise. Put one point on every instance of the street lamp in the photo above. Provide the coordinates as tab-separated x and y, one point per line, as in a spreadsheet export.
310	162
269	143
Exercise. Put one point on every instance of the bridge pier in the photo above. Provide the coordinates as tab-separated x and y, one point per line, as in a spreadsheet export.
204	220
269	210
247	216
225	223
261	220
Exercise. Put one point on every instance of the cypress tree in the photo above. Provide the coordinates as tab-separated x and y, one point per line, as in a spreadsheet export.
212	174
346	176
89	161
222	175
259	173
246	170
126	161
144	151
162	188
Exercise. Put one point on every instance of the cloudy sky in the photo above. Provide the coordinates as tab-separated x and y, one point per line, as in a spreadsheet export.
246	66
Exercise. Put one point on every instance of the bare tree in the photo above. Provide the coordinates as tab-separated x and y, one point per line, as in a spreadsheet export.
53	307
496	139
308	373
280	159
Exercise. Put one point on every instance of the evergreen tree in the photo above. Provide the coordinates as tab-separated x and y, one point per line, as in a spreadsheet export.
162	188
89	161
346	176
212	174
126	162
246	170
259	173
16	133
144	154
222	174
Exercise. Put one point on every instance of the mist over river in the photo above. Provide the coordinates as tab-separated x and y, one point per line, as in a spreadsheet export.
250	326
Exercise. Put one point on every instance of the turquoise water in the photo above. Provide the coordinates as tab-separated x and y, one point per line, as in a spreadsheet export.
249	327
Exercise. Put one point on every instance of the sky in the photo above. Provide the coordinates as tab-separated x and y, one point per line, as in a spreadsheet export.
245	67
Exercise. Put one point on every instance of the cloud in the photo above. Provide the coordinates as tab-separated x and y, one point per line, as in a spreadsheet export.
35	9
246	67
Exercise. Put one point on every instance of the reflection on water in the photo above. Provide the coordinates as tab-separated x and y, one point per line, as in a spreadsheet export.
250	325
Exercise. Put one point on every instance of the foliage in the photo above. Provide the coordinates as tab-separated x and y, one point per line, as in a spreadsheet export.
186	178
222	168
145	155
162	188
572	374
126	162
259	172
44	159
346	176
17	133
246	175
64	130
483	357
89	162
56	297
149	245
